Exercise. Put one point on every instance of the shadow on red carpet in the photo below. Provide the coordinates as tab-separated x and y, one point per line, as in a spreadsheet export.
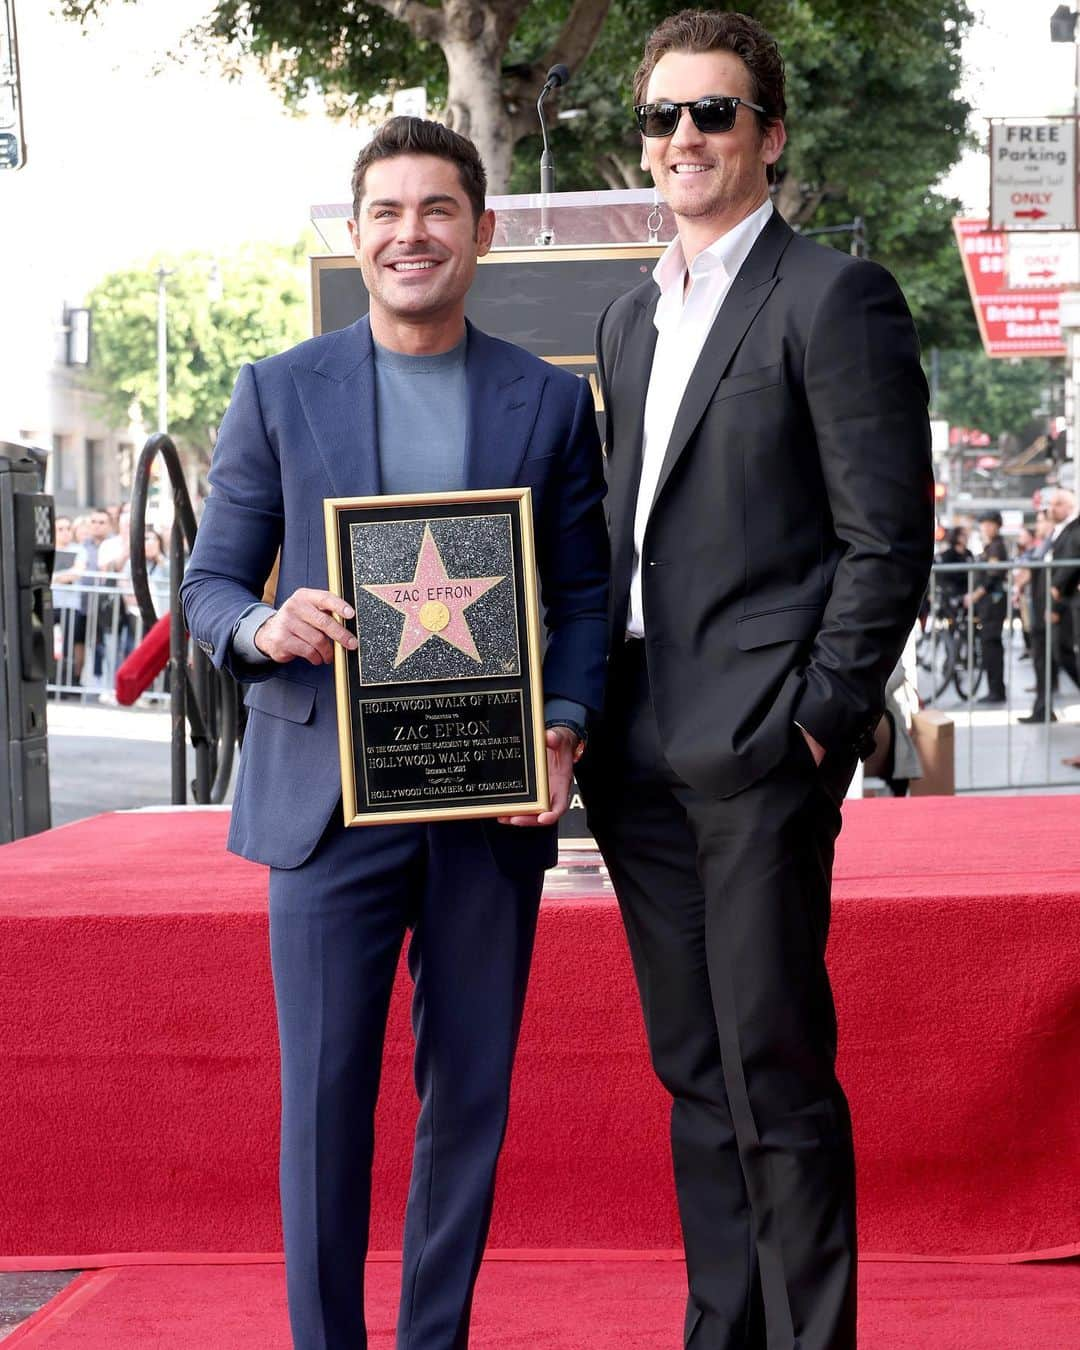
629	1304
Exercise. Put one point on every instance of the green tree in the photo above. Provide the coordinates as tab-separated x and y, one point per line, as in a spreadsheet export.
995	396
221	313
875	116
875	120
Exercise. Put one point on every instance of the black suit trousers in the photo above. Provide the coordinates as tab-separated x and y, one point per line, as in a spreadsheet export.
726	905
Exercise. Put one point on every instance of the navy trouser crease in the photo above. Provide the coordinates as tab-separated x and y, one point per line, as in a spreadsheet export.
337	924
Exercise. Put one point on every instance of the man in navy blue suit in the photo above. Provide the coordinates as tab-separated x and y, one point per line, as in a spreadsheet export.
410	398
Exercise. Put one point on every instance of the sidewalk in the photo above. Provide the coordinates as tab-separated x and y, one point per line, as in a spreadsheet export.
997	753
108	759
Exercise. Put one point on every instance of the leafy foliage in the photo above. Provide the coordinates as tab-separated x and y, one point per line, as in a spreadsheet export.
875	115
998	397
262	308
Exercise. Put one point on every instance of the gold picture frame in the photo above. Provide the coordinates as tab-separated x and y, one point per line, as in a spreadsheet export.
440	707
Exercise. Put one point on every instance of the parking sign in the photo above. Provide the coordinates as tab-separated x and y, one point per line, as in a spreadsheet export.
1033	174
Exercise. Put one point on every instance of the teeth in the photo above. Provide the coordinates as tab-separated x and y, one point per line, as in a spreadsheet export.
412	266
690	168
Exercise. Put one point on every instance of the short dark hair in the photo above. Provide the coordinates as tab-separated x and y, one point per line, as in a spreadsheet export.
417	136
710	30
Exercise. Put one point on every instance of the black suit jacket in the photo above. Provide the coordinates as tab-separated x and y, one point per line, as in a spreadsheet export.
790	537
1066	580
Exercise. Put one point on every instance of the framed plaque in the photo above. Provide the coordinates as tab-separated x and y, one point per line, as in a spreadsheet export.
440	708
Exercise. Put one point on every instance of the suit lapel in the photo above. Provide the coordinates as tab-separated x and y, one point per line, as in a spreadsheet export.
624	461
502	409
337	395
749	291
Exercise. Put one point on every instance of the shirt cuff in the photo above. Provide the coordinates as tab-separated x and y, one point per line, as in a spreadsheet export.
244	651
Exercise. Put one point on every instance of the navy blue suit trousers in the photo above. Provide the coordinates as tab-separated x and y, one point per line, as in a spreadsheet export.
337	924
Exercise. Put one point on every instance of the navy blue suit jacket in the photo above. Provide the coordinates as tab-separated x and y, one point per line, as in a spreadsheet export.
301	427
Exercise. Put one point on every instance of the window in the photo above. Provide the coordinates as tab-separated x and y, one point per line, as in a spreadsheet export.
65	471
96	480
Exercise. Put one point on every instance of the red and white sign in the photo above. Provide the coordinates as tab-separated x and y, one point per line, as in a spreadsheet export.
1043	260
1021	322
1033	174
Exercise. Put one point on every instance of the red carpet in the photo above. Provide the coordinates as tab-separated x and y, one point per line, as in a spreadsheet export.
548	1305
137	1047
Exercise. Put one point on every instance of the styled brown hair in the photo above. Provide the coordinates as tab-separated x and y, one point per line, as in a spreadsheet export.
417	136
710	30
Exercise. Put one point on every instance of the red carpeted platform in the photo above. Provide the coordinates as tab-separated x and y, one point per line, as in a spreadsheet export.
137	1047
552	1305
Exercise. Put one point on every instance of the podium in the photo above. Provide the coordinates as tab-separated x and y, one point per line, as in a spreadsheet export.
544	296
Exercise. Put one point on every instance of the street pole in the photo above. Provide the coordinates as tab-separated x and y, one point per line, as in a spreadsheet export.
1063	29
1072	348
162	352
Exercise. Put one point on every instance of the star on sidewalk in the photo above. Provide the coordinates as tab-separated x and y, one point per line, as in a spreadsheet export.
433	603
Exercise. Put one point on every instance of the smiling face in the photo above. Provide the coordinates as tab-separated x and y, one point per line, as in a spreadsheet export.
710	181
417	244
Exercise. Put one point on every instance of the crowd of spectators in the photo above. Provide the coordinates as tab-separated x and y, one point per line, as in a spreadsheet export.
1048	621
96	614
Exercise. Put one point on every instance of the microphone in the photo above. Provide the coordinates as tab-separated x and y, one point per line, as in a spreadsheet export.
557	76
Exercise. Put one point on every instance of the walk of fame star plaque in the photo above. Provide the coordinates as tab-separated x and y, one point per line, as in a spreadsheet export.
440	708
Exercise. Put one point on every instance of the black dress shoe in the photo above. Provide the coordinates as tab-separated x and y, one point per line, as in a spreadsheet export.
991	700
1033	717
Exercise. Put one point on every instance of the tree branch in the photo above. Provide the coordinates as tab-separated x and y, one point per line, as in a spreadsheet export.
797	201
571	47
507	13
611	176
633	174
579	34
420	19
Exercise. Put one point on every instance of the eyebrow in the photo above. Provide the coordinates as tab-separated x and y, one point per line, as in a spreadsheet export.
434	200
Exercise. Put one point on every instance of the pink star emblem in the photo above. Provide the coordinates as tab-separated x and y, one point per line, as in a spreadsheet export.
434	604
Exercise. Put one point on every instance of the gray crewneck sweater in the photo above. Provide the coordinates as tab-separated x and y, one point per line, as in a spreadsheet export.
421	420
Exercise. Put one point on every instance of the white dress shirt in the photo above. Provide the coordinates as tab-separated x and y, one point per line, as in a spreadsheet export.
683	321
1056	535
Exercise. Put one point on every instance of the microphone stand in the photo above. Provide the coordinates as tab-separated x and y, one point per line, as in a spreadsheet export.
556	76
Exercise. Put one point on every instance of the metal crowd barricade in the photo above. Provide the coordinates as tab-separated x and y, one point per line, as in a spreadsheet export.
112	627
112	611
950	657
203	701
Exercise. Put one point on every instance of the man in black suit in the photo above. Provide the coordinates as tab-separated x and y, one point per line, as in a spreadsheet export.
1063	542
987	598
770	509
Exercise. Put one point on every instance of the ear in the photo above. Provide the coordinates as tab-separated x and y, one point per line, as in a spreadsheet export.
644	156
485	233
773	141
354	237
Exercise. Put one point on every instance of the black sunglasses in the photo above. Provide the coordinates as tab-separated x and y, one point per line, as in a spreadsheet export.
714	113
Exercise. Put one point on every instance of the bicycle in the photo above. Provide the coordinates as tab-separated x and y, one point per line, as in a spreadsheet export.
943	652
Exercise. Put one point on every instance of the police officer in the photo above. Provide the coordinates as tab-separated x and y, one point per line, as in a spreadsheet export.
988	599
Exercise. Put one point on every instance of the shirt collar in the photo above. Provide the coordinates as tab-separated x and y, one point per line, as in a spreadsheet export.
725	255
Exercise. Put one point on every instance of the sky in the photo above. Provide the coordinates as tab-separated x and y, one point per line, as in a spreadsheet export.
124	163
1012	69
